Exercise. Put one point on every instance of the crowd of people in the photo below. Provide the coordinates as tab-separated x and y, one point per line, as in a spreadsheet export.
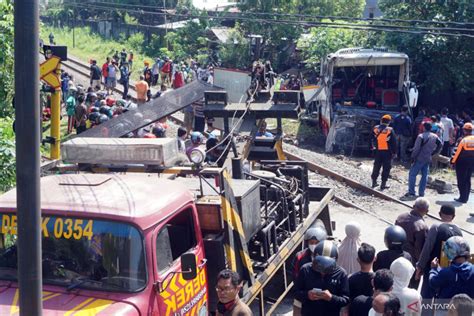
429	135
163	72
351	278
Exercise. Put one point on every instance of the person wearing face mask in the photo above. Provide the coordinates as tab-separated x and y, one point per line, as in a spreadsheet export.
228	286
410	299
312	237
322	286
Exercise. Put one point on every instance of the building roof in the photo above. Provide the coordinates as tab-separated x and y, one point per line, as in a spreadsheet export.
222	33
176	25
138	198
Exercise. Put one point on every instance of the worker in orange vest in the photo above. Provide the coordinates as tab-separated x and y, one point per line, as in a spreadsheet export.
463	160
384	144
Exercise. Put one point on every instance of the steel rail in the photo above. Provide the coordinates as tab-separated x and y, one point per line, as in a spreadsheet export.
358	186
319	169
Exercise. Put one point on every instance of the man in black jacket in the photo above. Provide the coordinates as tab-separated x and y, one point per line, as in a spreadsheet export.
322	287
432	248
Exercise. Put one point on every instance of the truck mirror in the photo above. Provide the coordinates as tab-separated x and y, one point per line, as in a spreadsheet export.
188	266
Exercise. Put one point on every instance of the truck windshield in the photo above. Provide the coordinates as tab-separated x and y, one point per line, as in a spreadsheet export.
81	253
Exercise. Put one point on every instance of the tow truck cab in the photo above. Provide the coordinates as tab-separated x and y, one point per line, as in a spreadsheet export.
111	245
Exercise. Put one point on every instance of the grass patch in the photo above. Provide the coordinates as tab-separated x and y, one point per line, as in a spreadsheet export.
92	46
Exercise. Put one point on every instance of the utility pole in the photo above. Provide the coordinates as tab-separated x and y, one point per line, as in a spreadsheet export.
166	24
27	111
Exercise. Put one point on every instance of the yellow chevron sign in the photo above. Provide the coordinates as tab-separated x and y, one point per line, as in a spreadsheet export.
48	72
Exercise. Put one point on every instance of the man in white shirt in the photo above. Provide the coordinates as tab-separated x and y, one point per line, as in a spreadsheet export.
448	133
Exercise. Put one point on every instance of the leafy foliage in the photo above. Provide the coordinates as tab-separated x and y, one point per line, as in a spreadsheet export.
7	155
278	37
440	63
235	53
322	41
6	58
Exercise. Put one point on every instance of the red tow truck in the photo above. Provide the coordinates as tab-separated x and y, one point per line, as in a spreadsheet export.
144	239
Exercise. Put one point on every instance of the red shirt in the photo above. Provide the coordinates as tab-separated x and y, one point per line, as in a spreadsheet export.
178	80
105	69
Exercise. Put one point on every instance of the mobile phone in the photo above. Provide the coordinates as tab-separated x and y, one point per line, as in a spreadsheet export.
316	291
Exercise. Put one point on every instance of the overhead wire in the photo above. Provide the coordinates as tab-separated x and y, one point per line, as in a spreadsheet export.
371	27
299	15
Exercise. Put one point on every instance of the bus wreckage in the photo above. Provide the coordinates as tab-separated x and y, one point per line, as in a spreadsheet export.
357	87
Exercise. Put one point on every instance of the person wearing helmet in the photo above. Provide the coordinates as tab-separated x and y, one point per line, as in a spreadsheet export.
322	286
196	140
459	276
432	247
426	146
385	146
103	118
394	238
463	161
312	237
159	131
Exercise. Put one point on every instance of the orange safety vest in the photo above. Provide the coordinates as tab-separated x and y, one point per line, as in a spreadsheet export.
383	137
466	144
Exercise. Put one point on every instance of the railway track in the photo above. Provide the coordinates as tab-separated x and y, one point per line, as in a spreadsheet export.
83	69
388	207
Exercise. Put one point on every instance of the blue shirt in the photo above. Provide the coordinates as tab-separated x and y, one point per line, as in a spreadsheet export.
402	125
266	134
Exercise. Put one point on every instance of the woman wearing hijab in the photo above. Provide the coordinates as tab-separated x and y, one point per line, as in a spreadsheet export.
348	249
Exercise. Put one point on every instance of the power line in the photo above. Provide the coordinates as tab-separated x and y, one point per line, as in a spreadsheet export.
342	18
302	23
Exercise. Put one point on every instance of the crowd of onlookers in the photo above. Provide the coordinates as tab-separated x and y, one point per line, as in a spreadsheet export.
423	271
352	278
417	141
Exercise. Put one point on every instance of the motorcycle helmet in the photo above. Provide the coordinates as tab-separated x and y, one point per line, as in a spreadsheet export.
316	233
159	131
456	247
196	138
395	236
326	256
103	118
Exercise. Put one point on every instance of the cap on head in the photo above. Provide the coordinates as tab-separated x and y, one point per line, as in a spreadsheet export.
467	127
387	117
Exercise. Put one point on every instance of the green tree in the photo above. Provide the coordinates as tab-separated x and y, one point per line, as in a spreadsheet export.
7	154
235	52
322	41
6	58
440	63
279	36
